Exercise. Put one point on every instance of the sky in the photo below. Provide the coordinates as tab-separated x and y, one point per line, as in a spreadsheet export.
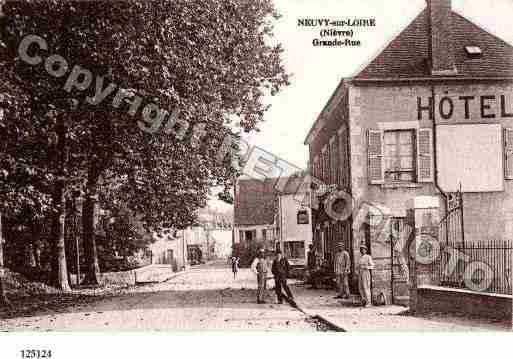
316	71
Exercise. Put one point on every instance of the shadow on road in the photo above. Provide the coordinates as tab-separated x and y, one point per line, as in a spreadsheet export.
230	298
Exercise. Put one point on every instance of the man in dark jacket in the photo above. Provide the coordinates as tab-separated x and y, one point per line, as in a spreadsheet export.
280	270
311	267
311	258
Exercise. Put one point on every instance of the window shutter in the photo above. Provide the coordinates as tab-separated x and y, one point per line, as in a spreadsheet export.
375	157
425	155
508	153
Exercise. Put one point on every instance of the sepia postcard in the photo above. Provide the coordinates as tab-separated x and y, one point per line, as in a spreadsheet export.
291	166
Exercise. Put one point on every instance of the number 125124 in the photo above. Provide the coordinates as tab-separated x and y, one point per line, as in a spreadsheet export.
35	354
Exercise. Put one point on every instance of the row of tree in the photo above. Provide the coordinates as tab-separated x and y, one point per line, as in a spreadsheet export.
213	60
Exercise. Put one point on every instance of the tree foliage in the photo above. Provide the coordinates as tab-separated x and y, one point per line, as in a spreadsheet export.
210	61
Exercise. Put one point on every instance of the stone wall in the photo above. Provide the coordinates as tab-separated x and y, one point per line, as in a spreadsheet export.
448	300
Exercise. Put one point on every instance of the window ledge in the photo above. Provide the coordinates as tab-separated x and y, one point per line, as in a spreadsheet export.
401	185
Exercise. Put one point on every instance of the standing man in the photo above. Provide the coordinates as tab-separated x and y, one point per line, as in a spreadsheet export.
311	258
365	265
259	267
311	266
342	270
280	270
235	265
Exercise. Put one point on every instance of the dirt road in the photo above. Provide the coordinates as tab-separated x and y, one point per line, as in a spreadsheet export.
204	298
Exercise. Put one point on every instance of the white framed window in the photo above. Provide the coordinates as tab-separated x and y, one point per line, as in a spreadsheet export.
400	155
316	167
294	249
334	161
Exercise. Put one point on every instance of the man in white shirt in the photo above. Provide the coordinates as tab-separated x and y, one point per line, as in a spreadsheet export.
365	265
260	268
342	270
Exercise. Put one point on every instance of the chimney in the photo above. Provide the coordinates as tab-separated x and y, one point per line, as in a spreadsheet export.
441	52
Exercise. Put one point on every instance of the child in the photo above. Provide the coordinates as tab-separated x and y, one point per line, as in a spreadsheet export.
235	266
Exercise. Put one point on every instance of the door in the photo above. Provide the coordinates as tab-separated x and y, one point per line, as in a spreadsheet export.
170	256
399	262
250	237
323	245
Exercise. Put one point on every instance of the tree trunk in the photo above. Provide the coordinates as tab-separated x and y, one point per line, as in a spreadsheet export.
92	271
69	239
75	237
60	269
3	296
36	243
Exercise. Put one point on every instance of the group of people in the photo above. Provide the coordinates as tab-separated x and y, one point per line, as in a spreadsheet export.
342	270
280	272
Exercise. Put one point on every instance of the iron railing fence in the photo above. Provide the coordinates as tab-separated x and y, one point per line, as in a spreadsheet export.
484	266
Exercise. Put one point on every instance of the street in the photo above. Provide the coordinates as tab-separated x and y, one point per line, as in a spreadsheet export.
204	298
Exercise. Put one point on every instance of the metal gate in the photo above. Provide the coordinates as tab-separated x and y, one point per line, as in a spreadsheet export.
451	234
451	227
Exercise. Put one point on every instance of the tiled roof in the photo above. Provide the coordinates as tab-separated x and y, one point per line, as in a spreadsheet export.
299	182
406	56
254	202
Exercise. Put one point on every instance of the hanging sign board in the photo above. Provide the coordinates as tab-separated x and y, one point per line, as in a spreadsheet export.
302	217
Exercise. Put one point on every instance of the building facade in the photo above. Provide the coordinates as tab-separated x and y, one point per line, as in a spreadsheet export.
294	220
429	116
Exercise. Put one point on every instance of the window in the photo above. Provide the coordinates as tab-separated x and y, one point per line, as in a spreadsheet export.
473	51
316	167
333	160
343	161
264	234
324	165
249	236
399	156
294	249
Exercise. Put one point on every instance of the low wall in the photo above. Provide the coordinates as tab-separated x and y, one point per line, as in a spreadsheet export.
440	299
154	273
127	277
147	274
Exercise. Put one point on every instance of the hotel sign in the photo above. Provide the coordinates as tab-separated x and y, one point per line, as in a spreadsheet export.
465	107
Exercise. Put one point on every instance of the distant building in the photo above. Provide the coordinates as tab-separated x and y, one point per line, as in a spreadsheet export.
205	243
169	248
266	218
254	217
294	220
